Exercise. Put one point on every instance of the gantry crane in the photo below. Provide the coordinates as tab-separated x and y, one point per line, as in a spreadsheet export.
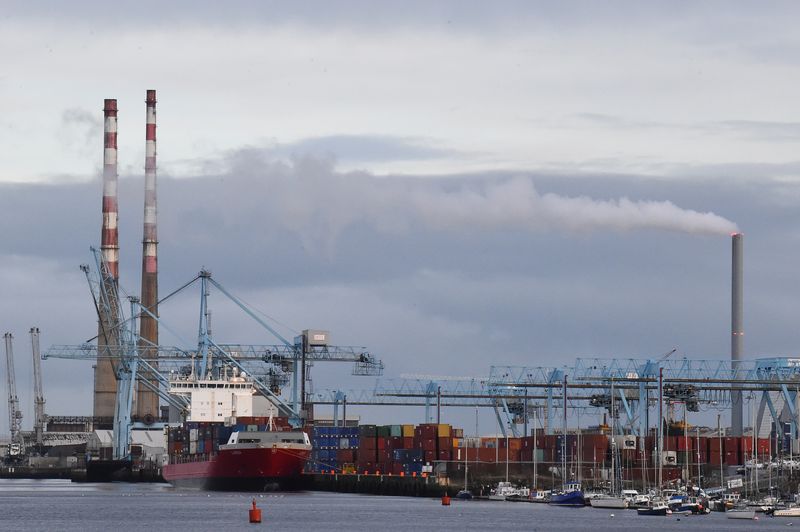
39	417
285	361
14	413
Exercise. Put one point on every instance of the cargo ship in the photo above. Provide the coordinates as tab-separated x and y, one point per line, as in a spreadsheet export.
224	446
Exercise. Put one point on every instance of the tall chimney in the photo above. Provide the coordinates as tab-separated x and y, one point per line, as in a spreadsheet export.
147	401
105	382
109	239
737	331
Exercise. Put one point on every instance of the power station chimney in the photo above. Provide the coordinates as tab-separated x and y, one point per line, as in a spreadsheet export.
737	330
105	382
109	239
146	400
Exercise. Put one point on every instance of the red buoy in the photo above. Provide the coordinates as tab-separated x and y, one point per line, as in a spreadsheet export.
445	500
255	513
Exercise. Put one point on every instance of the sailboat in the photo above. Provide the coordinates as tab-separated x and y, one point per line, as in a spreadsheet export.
465	494
571	493
613	500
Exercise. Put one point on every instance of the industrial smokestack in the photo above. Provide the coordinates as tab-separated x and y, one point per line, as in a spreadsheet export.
109	238
105	381
737	330
146	400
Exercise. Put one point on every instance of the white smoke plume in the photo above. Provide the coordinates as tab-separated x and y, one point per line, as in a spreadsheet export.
309	197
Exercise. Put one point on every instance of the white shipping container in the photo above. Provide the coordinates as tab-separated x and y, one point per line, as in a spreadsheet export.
192	447
192	435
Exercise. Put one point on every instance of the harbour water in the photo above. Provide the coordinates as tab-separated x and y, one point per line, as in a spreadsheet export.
57	505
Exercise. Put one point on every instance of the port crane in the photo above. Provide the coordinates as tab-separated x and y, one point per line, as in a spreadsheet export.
14	413
286	361
39	417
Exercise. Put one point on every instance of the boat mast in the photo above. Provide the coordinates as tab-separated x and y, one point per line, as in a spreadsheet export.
535	477
613	444
564	435
660	425
721	469
698	457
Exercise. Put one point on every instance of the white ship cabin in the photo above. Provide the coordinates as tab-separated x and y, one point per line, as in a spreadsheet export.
215	400
269	438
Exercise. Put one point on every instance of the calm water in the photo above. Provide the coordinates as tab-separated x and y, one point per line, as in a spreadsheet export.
60	505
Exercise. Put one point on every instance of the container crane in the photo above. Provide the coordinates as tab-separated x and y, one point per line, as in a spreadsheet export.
14	413
39	417
119	336
286	361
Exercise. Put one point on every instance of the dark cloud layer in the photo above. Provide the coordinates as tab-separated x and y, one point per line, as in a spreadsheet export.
372	259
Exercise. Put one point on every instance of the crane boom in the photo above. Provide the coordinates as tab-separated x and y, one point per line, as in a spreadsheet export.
14	413
39	418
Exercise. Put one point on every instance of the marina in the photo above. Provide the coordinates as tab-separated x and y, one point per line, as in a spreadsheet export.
160	507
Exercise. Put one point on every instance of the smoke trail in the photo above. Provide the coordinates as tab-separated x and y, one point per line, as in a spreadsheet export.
517	203
319	203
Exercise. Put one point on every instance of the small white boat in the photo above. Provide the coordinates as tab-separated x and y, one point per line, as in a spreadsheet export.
741	514
503	491
788	512
608	501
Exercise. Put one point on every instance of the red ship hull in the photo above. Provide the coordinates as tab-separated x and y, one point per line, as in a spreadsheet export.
252	469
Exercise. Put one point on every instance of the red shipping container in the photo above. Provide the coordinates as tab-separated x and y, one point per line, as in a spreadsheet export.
550	442
345	456
763	446
428	444
526	455
430	456
715	445
514	455
747	446
731	445
445	444
684	443
732	458
444	455
381	444
408	442
367	443
395	442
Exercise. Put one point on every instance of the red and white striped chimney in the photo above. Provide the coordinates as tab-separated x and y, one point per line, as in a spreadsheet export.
147	404
150	215
109	238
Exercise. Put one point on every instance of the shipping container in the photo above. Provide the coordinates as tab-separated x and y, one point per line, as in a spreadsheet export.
444	431
367	431
408	431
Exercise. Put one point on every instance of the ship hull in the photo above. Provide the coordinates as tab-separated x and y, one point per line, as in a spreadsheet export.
251	469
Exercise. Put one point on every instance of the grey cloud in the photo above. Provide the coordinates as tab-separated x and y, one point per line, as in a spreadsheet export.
751	129
426	296
367	148
762	130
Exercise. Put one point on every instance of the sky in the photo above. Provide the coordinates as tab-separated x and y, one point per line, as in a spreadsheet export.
453	186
